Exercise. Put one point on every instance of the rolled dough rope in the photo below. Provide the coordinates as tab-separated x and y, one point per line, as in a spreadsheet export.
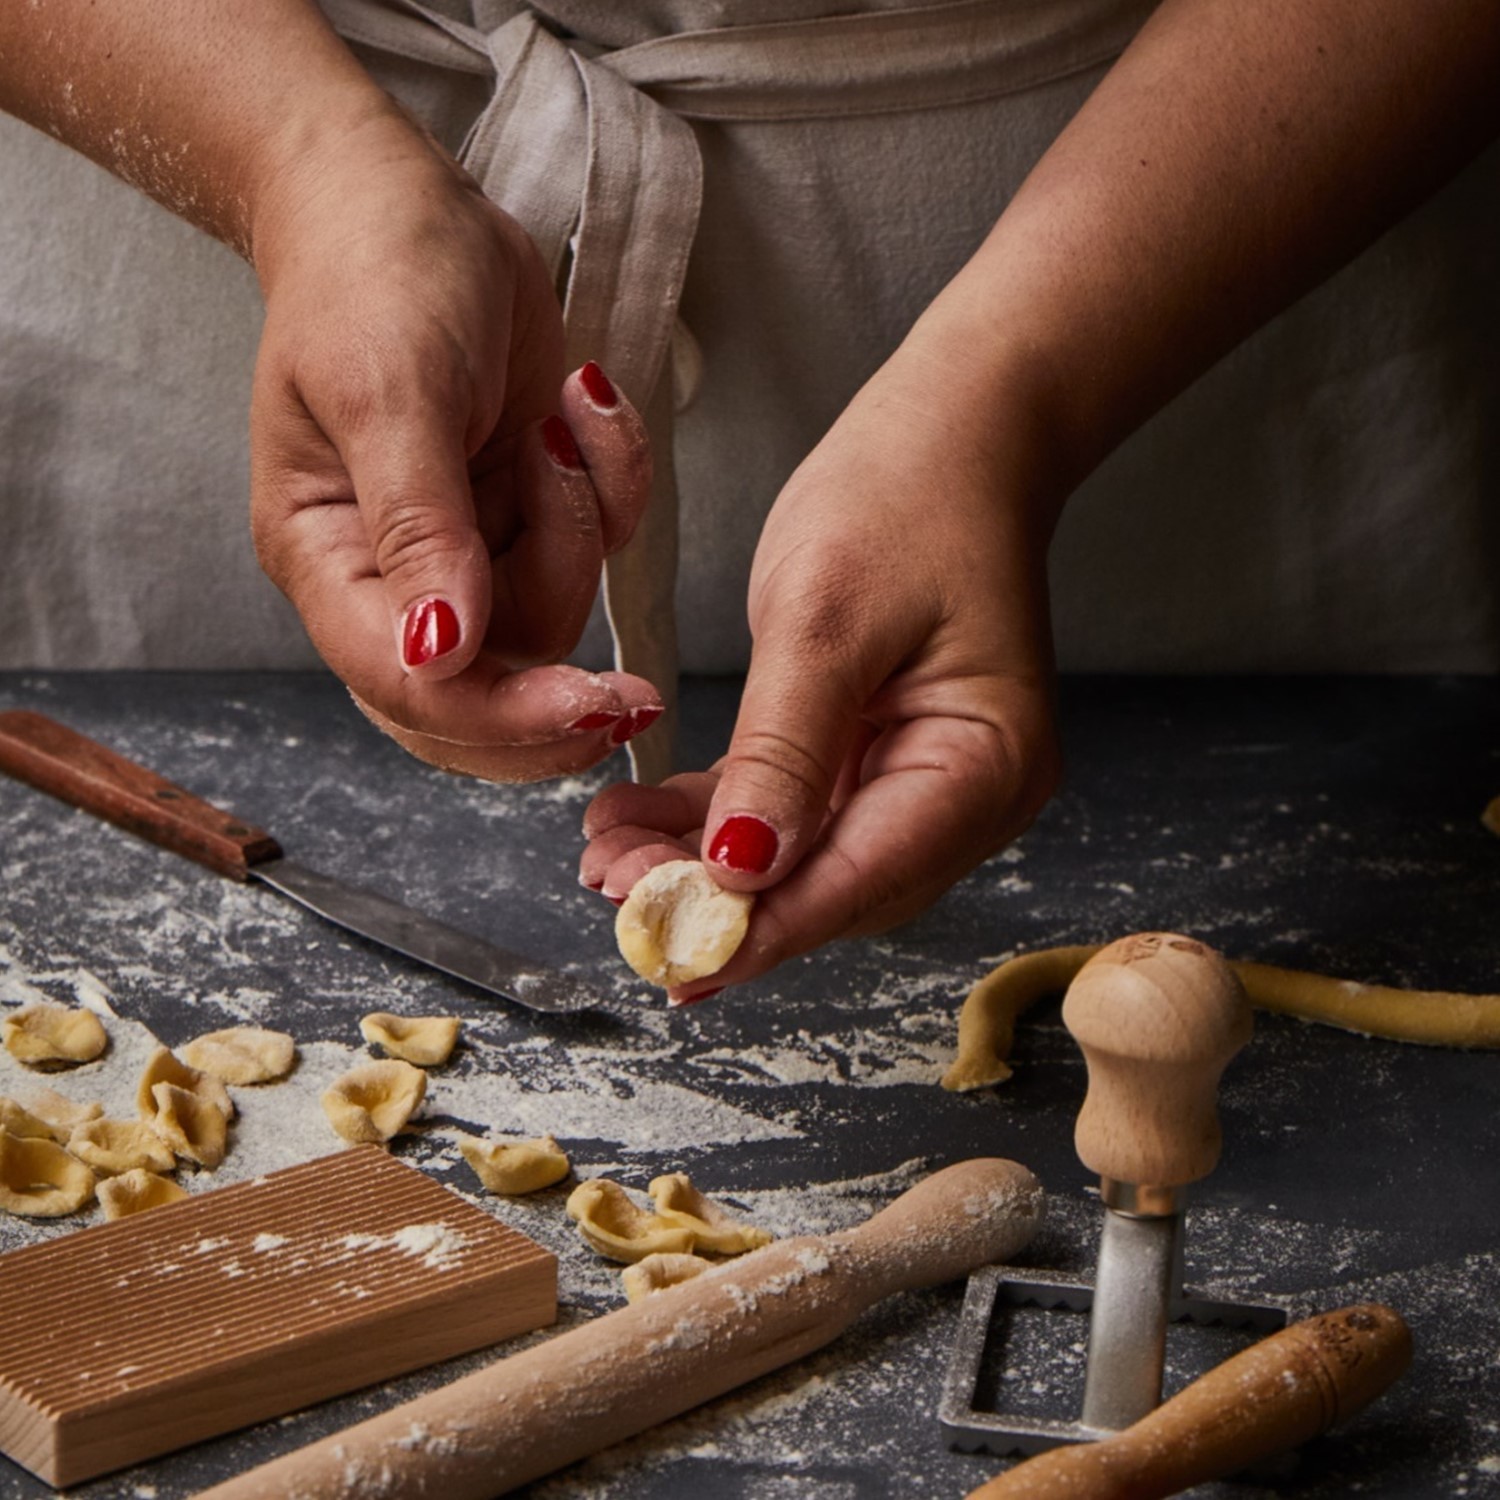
1433	1018
619	1374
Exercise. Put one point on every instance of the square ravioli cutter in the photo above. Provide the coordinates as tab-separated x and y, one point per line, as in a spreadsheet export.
1158	1017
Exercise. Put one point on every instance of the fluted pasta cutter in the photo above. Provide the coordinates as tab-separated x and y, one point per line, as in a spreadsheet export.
1158	1017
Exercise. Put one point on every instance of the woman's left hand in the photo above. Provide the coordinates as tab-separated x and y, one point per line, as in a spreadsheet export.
896	726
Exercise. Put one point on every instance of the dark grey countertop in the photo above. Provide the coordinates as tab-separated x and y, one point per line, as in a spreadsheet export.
1330	824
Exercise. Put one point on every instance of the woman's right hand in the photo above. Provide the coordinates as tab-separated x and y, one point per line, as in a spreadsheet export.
426	488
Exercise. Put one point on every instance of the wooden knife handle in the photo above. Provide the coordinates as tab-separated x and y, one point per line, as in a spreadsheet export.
619	1374
1273	1396
62	762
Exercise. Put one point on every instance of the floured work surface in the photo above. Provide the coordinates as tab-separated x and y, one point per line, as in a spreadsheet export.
130	1339
1330	825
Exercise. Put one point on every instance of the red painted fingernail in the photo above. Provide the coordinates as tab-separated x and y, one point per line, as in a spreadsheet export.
745	845
600	720
635	722
557	439
591	885
430	631
597	387
613	900
694	999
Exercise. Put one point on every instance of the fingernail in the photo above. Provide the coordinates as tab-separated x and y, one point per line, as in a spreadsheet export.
745	845
557	439
591	885
635	722
597	387
601	720
694	999
430	631
613	900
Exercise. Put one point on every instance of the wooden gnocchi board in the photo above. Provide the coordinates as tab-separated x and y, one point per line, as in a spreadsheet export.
128	1339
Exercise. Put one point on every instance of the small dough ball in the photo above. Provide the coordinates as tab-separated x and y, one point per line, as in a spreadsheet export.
374	1101
657	1272
515	1166
111	1147
20	1121
163	1066
679	924
679	1202
1490	817
617	1228
242	1054
194	1127
427	1041
55	1036
135	1191
39	1180
61	1115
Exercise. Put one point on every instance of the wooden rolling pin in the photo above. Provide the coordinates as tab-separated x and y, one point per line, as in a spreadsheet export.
628	1370
1270	1397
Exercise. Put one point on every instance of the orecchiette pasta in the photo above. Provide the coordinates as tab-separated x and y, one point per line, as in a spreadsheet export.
163	1066
373	1102
135	1191
678	924
657	1272
44	1035
619	1229
20	1121
114	1146
192	1126
679	1202
61	1115
241	1054
39	1179
515	1166
427	1041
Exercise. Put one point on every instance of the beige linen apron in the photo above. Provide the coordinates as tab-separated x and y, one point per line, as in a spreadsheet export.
591	150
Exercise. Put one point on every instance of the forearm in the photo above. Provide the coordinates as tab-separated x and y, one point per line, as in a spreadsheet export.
1233	158
209	109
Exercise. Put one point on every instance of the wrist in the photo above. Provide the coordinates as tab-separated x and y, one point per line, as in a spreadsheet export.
320	167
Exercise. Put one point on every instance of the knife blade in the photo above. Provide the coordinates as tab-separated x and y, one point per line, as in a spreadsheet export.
80	771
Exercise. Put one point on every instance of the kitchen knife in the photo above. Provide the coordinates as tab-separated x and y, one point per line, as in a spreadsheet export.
62	762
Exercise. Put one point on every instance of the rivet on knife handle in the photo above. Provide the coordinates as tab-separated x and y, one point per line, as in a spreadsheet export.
68	765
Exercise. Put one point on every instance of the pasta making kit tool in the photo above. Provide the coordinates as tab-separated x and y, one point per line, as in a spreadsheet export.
616	1375
66	764
129	1339
1158	1018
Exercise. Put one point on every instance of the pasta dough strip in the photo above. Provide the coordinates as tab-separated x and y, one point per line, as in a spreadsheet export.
1433	1018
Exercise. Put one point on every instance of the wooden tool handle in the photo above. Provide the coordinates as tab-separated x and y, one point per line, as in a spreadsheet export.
58	760
1273	1396
628	1370
1157	1016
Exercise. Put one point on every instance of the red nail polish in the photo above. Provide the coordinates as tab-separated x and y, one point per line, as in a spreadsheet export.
431	630
636	722
600	720
745	845
597	386
557	439
613	900
694	999
592	885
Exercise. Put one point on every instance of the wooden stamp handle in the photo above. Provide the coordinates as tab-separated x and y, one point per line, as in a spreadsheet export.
1158	1017
62	762
1273	1396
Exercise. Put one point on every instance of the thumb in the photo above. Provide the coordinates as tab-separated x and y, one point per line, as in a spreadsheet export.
799	719
412	484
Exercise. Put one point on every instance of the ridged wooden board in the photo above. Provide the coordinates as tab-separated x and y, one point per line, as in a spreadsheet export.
129	1339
